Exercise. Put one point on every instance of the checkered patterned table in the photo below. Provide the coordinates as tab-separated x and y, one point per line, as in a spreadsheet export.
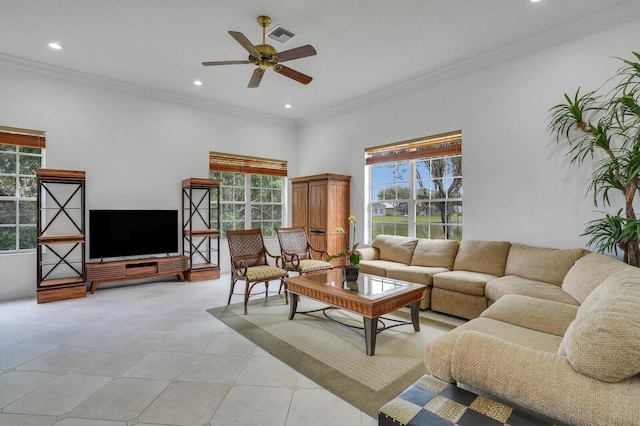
430	401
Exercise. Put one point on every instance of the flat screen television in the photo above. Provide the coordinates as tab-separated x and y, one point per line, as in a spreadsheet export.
119	233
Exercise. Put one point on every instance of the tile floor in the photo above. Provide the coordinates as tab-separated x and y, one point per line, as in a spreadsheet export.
148	354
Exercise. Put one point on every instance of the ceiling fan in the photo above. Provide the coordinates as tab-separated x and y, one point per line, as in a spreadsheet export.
265	57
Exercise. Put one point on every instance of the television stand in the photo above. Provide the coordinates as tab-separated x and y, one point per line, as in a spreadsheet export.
121	270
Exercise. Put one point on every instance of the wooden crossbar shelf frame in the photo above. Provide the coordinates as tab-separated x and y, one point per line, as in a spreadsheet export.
201	228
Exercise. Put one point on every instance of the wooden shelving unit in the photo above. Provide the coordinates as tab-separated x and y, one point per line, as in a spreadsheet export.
61	235
201	228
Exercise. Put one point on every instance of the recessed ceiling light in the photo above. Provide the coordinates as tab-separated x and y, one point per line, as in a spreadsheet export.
288	106
197	82
535	1
55	45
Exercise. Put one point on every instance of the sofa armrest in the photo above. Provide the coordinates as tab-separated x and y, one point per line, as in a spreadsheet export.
542	315
543	382
368	253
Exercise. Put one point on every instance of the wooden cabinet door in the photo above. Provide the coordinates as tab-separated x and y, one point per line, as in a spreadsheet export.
337	217
318	207
300	205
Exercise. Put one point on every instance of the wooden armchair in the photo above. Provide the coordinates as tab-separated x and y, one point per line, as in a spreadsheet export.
249	263
297	252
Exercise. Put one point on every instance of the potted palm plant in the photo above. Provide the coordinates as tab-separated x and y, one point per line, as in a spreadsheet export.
604	126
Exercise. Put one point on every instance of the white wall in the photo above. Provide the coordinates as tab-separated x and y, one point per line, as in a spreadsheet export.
135	148
518	184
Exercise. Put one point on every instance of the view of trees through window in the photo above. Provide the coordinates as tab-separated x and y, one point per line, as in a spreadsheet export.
18	192
249	201
417	197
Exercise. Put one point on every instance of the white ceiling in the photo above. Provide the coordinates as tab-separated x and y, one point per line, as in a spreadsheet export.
365	47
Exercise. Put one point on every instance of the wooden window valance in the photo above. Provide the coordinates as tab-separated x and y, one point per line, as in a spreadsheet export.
430	146
22	137
220	162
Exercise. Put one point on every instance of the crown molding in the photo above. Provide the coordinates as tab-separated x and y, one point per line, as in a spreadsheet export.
129	88
623	13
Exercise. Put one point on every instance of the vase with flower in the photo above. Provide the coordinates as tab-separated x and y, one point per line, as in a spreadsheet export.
350	268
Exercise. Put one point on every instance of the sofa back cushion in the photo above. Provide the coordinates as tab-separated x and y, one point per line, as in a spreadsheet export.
541	264
395	248
603	342
588	272
488	257
436	253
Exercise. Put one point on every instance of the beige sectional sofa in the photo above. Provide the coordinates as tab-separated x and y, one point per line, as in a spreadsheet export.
464	278
559	334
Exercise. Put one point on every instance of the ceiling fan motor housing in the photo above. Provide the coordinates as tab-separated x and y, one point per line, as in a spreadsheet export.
267	58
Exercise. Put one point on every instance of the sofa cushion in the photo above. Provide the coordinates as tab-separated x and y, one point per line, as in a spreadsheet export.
489	257
536	314
438	253
439	353
541	264
603	342
395	248
367	253
512	284
462	281
414	274
588	272
377	267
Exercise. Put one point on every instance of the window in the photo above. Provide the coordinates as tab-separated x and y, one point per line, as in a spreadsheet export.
415	188
251	192
21	151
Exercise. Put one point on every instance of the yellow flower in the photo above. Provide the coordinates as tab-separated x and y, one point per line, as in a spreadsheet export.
352	219
340	229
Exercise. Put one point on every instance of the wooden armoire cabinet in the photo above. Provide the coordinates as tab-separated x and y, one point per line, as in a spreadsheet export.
320	203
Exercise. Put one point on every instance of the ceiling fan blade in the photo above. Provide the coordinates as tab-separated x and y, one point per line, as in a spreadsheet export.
244	41
293	74
298	52
207	64
256	77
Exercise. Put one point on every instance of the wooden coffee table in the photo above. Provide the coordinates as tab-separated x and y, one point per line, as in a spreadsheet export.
371	297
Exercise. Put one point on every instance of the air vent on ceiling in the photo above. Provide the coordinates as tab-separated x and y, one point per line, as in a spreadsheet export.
281	34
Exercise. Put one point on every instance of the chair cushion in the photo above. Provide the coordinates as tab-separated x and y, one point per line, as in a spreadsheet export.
603	342
395	248
307	265
436	253
264	272
488	257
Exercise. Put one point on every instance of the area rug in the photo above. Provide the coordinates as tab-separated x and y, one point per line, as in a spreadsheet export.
334	356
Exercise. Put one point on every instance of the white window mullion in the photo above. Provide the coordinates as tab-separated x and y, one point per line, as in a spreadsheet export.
411	217
248	201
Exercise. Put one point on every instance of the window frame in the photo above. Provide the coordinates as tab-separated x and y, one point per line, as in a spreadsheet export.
27	144
250	168
409	154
